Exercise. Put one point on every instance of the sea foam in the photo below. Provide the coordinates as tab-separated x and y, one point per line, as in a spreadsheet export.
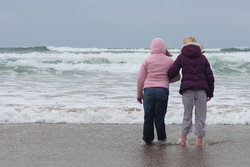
98	85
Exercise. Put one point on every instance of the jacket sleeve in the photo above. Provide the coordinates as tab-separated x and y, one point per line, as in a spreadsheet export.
175	79
174	69
210	80
141	76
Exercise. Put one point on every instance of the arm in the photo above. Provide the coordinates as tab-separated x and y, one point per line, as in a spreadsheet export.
174	70
210	80
175	79
140	81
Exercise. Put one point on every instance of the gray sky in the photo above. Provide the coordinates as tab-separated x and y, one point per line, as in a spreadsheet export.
123	23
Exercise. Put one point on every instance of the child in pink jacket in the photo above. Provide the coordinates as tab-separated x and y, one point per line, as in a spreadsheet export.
153	90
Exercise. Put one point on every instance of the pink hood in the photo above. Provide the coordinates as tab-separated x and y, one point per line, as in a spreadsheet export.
158	46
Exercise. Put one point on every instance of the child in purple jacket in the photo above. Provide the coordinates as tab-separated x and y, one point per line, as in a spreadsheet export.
197	87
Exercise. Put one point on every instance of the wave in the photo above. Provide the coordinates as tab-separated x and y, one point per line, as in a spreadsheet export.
46	49
237	49
97	50
129	63
229	67
21	50
93	85
141	50
24	49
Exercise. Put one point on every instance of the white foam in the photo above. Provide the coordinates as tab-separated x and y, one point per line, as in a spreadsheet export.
70	49
89	87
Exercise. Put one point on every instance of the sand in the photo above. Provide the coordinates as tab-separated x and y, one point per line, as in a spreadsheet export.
118	145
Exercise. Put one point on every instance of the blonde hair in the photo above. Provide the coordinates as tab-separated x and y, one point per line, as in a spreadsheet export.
189	40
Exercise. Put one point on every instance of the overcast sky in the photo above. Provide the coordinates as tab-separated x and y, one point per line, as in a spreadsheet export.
123	23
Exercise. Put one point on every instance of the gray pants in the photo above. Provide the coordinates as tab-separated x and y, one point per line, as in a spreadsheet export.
197	98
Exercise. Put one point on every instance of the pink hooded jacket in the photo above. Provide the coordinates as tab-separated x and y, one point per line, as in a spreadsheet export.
154	68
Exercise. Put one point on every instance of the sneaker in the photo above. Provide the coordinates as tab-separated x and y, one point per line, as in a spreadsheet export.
146	143
162	142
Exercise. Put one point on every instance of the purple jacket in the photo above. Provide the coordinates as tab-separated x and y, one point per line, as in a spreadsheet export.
196	71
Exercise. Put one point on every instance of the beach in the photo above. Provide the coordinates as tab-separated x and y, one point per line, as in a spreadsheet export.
112	145
63	106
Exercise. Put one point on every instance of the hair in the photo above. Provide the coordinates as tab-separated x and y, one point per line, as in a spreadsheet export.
168	53
189	39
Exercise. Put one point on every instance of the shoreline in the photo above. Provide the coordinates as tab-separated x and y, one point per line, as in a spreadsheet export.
42	144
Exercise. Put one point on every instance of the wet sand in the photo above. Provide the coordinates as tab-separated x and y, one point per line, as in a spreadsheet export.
118	145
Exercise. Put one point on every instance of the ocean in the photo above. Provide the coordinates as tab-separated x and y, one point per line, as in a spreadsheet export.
98	85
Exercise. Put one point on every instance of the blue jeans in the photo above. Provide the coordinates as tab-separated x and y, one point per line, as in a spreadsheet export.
155	102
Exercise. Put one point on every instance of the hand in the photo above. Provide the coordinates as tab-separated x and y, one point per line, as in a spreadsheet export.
139	100
208	98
